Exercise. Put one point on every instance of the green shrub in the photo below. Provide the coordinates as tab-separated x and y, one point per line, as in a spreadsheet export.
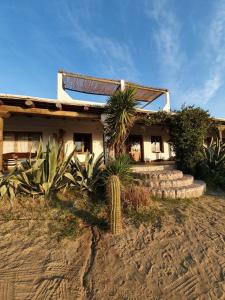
188	129
214	155
120	167
212	167
8	185
88	175
45	174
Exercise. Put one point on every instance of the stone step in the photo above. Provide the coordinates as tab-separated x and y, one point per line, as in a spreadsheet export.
158	175
150	168
168	183
195	190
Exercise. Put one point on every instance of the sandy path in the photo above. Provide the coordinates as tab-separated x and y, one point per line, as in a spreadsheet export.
179	260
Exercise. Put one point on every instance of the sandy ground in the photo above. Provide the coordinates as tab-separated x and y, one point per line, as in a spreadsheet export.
184	258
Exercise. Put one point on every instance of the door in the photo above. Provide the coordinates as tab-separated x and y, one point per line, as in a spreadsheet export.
134	146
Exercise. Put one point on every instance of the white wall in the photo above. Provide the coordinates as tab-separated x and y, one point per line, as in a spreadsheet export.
50	126
146	133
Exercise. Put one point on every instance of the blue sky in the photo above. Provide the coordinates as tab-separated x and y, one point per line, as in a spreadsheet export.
177	44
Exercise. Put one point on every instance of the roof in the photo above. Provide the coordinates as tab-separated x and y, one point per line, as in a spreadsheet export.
21	104
74	102
101	86
73	105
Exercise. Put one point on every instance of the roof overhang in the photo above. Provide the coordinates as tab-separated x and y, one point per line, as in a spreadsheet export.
26	105
101	86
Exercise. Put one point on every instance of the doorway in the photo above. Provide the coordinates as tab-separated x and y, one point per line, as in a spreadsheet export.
134	147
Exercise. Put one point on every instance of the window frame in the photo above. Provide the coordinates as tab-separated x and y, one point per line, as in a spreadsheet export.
161	144
87	135
16	135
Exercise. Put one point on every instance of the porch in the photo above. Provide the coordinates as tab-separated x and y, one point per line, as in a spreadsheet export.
22	133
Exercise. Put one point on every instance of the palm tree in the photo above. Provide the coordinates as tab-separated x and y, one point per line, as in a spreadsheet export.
121	116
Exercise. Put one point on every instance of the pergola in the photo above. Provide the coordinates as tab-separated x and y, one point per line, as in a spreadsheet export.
106	87
66	107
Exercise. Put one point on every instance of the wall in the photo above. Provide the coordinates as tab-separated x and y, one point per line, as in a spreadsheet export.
51	126
146	133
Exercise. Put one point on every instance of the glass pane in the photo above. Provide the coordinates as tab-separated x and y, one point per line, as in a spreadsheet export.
34	140
22	142
79	146
156	143
8	143
82	142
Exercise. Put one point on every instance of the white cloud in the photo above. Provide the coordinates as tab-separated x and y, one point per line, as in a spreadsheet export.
214	51
172	59
203	94
166	34
113	57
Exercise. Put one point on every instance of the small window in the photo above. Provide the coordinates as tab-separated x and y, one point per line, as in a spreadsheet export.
157	144
83	142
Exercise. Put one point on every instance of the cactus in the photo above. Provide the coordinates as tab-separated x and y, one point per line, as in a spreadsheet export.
114	194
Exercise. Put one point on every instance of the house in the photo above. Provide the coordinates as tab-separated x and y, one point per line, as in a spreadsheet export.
24	120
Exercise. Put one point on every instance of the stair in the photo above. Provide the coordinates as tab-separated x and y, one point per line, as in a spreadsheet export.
170	183
149	168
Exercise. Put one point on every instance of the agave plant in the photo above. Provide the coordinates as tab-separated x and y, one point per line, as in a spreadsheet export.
121	116
46	173
9	185
87	175
121	167
214	155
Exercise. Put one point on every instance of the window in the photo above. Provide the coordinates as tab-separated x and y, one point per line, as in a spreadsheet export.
207	141
20	142
157	144
83	142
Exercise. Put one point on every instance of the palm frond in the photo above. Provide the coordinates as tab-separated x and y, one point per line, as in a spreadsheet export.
121	116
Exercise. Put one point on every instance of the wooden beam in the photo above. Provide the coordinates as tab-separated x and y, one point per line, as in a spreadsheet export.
29	103
221	127
47	112
1	143
58	105
4	114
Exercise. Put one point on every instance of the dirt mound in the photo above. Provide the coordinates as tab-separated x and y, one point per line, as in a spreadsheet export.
183	258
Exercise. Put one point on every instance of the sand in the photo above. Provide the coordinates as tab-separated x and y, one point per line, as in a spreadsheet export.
181	259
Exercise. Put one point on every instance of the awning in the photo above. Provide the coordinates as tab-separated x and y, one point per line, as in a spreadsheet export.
101	86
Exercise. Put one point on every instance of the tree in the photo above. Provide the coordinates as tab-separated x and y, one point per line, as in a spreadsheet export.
121	116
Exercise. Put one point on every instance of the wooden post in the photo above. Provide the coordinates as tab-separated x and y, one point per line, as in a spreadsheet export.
1	142
3	115
220	131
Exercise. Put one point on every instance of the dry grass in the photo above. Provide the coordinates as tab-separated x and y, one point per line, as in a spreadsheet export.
136	197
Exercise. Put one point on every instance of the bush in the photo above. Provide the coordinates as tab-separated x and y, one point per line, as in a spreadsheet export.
136	197
212	167
120	167
214	155
45	174
88	175
188	128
